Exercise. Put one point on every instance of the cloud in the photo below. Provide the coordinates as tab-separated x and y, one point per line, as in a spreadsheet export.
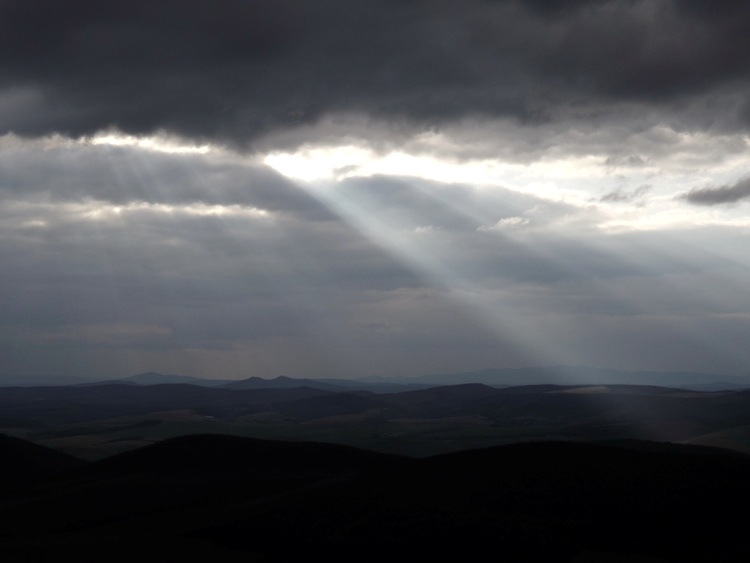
631	160
235	71
622	195
506	223
349	187
122	256
721	195
52	170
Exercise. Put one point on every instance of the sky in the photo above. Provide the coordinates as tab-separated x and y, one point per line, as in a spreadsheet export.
347	188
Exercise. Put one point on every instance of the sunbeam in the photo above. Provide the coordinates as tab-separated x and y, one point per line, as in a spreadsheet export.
549	277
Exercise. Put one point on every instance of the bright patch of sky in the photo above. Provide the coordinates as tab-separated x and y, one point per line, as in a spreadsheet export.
635	191
158	143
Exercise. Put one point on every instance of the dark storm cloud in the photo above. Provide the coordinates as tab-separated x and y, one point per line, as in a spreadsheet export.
720	195
233	70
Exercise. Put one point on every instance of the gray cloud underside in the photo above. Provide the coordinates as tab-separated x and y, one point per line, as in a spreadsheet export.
114	255
120	175
720	195
232	71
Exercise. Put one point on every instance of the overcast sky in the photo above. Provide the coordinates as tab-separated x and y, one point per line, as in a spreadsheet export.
373	187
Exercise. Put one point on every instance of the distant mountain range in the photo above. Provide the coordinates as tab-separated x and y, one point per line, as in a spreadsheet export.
501	377
586	375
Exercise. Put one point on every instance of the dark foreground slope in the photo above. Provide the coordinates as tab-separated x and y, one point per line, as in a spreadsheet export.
224	498
526	502
197	475
24	463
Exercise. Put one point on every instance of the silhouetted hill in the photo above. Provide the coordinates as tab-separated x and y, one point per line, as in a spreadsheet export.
249	456
24	463
500	377
584	375
282	382
95	421
230	498
332	385
155	378
161	490
525	502
674	448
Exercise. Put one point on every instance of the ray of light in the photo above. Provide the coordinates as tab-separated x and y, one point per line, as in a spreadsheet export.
545	338
386	230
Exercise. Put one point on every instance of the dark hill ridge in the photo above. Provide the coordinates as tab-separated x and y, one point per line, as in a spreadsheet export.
282	501
190	478
503	377
282	382
24	463
60	405
155	378
586	375
234	453
96	421
525	502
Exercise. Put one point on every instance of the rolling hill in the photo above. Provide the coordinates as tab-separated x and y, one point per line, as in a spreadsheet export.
237	499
